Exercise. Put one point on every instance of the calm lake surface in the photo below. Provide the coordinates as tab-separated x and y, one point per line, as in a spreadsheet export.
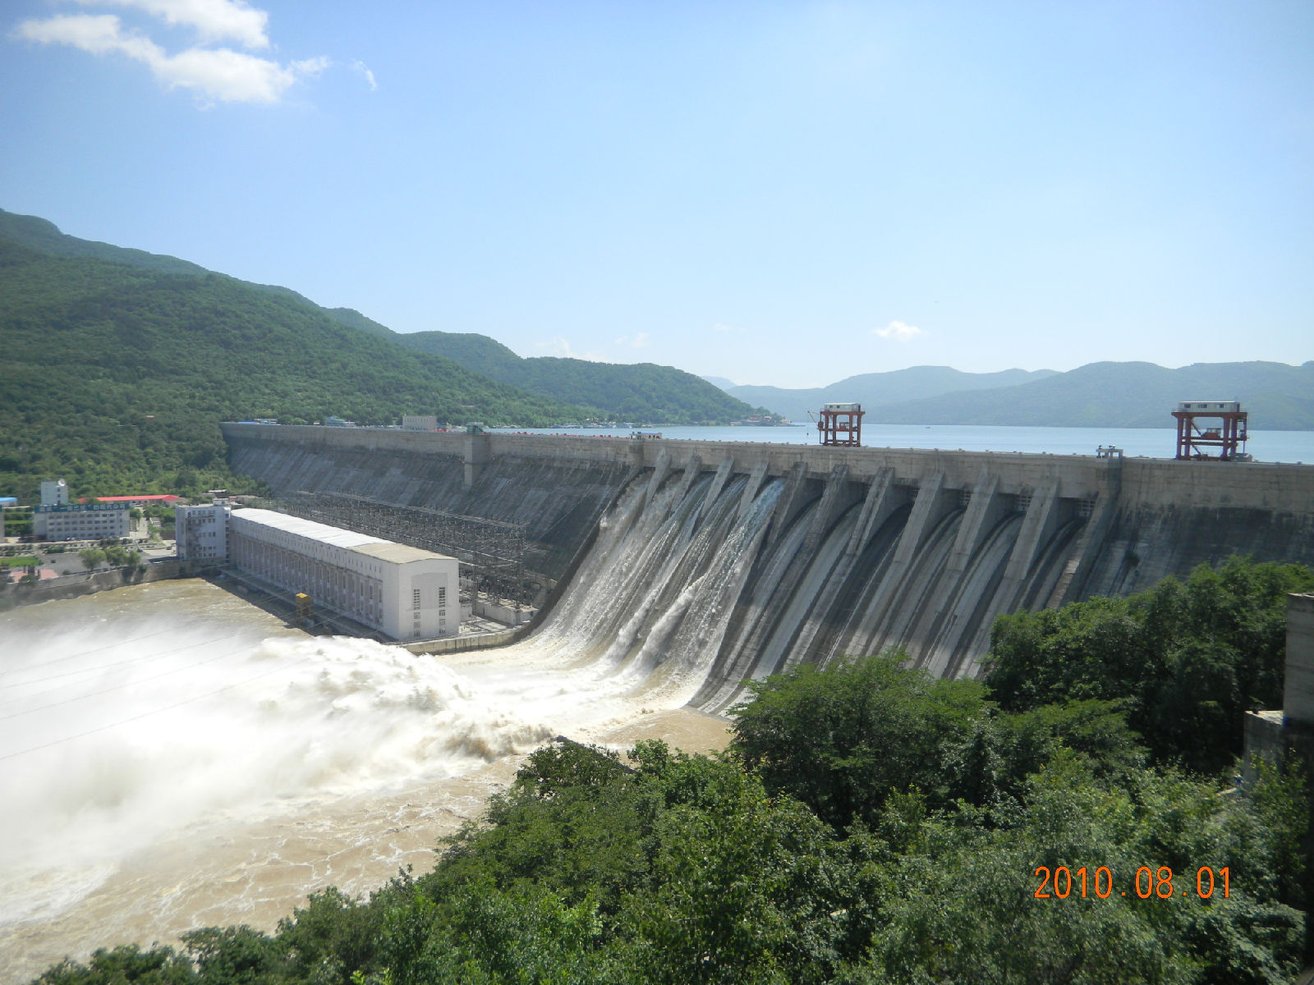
1265	446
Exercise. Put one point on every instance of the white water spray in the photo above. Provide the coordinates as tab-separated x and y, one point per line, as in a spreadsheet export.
172	757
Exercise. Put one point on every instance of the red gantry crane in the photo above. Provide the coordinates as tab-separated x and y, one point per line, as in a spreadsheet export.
841	424
1205	425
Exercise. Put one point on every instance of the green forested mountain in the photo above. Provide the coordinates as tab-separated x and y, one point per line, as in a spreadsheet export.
115	375
119	364
643	392
1279	397
477	353
44	237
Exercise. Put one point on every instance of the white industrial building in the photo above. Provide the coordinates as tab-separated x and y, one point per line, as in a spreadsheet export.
407	593
78	521
58	519
201	533
54	492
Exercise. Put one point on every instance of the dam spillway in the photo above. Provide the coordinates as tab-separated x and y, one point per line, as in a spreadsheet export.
723	562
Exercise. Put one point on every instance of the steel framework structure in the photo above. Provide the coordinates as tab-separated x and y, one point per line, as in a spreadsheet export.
841	424
495	551
1224	430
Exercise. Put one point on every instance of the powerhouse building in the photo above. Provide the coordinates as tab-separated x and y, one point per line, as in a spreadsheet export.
405	592
201	533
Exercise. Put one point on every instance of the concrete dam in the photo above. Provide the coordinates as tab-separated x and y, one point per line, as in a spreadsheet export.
719	563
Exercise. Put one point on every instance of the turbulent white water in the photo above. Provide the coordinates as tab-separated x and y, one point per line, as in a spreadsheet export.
171	757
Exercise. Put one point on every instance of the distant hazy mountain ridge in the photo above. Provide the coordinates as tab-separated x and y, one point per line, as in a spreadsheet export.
877	390
1277	396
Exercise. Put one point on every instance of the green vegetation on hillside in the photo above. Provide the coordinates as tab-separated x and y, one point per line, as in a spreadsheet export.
643	393
119	364
42	236
117	376
867	825
1186	660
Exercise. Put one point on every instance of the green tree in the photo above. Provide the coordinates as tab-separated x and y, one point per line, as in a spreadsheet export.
748	887
330	938
122	965
841	739
1187	660
233	955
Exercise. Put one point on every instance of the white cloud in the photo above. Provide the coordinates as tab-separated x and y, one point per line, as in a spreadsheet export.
724	329
365	73
226	75
559	346
639	340
555	346
215	74
213	20
96	33
899	331
311	66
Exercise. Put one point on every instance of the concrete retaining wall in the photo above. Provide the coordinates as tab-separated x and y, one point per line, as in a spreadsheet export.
479	641
75	585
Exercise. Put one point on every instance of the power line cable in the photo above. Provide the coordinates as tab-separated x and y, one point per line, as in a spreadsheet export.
146	714
97	667
87	653
130	683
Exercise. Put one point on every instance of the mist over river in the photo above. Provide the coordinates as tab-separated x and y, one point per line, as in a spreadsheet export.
173	757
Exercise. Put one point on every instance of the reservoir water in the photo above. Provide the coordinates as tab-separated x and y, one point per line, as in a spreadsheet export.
1264	446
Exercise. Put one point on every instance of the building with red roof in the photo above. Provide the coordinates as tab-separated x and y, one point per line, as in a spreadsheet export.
142	500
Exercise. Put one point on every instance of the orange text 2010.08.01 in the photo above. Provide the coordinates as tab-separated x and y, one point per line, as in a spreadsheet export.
1062	882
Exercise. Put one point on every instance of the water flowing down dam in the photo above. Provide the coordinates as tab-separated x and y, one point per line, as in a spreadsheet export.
708	565
180	758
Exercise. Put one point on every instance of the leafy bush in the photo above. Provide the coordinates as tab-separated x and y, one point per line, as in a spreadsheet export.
868	825
1186	659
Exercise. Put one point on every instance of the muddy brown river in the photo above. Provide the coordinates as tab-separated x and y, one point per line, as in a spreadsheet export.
173	757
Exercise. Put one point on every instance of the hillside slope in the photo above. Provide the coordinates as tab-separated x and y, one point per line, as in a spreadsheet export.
641	392
117	374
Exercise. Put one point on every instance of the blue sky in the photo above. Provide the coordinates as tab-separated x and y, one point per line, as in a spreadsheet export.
777	193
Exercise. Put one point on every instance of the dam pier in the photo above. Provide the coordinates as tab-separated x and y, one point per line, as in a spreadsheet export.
723	562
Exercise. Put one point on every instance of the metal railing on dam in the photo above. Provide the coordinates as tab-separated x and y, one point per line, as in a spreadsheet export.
742	558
